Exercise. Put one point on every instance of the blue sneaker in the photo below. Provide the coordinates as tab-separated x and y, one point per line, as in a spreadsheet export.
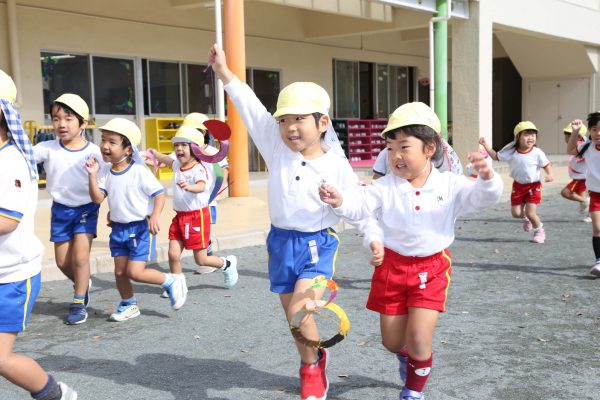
408	394
124	312
77	314
86	301
402	368
230	274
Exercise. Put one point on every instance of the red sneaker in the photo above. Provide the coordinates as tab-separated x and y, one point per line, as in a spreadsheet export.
313	379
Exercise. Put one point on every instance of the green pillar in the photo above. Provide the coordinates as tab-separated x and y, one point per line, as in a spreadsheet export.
440	46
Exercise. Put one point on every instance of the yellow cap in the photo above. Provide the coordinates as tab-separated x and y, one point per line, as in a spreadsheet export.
188	134
8	90
524	126
416	113
196	120
75	103
302	98
124	127
582	131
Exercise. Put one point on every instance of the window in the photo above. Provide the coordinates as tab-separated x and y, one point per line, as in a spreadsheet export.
114	91
65	73
198	89
346	89
164	83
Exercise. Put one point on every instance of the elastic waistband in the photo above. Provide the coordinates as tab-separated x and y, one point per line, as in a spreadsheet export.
515	182
129	224
192	212
292	233
83	206
400	257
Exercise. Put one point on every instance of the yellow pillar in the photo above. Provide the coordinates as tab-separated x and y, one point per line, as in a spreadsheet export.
235	49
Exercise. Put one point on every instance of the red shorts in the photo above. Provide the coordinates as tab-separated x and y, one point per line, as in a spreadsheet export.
594	201
402	282
526	193
192	228
576	186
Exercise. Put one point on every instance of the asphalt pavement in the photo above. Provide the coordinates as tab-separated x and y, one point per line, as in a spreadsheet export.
523	323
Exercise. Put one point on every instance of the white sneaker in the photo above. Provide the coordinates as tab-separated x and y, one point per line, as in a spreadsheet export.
230	274
177	291
204	269
596	269
587	219
67	392
124	312
584	206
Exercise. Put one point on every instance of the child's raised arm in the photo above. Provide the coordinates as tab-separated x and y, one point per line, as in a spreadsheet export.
218	62
92	166
493	153
572	143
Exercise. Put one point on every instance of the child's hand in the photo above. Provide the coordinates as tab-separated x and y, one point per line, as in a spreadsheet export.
330	195
480	165
218	62
92	166
483	142
549	178
108	221
377	252
576	125
183	184
153	225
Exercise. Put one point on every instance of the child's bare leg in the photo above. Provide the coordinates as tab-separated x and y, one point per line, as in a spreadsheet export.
175	250
419	332
62	255
137	271
296	301
124	285
517	211
531	213
201	257
20	370
569	195
393	331
595	223
80	264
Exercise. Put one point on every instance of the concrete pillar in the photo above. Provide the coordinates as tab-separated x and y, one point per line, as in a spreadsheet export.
471	80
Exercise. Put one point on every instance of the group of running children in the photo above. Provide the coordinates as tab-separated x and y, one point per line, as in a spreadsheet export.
407	215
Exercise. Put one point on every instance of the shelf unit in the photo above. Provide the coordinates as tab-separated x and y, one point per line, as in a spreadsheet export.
364	141
159	132
340	126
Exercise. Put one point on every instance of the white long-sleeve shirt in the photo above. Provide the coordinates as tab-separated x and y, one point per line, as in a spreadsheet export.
294	202
418	221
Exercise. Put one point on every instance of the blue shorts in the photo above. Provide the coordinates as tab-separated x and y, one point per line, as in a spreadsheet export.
297	255
67	221
133	240
16	302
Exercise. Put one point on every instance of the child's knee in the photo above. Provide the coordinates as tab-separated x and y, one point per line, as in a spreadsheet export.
5	363
393	345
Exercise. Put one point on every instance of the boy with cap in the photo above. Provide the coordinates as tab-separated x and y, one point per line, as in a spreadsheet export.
576	190
20	251
301	150
135	200
74	215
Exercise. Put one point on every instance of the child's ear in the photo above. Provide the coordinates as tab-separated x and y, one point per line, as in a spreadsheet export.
323	123
429	149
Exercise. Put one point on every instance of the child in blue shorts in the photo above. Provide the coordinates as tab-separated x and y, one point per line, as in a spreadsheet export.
301	150
135	200
74	215
20	251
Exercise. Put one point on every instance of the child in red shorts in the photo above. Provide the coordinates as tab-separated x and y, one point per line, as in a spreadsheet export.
190	228
412	212
576	190
525	161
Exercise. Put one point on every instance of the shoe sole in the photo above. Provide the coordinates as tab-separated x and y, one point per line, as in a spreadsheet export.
136	314
77	322
595	272
204	270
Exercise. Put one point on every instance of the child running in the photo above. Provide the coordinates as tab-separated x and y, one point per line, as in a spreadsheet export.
525	160
576	189
135	200
74	215
197	121
590	150
416	207
301	243
190	228
20	251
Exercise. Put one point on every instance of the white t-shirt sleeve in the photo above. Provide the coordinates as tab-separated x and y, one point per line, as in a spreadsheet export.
200	174
41	151
150	185
475	196
360	202
103	176
542	159
13	201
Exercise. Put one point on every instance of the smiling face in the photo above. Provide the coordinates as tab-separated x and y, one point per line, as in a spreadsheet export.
113	148
594	131
408	156
527	139
183	152
302	133
66	125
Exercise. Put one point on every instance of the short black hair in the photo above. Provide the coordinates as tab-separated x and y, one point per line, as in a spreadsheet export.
425	134
68	110
317	116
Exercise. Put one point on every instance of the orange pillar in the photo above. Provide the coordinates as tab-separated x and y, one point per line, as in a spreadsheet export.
235	49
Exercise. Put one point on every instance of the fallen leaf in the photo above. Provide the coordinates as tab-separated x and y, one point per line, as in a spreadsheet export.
360	343
541	339
497	251
342	375
196	337
465	312
578	312
97	337
243	350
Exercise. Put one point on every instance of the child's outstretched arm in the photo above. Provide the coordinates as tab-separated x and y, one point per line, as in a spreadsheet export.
198	187
493	153
481	194
330	195
92	166
154	222
218	62
164	159
572	143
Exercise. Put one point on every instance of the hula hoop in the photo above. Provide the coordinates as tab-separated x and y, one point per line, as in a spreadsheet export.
341	334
